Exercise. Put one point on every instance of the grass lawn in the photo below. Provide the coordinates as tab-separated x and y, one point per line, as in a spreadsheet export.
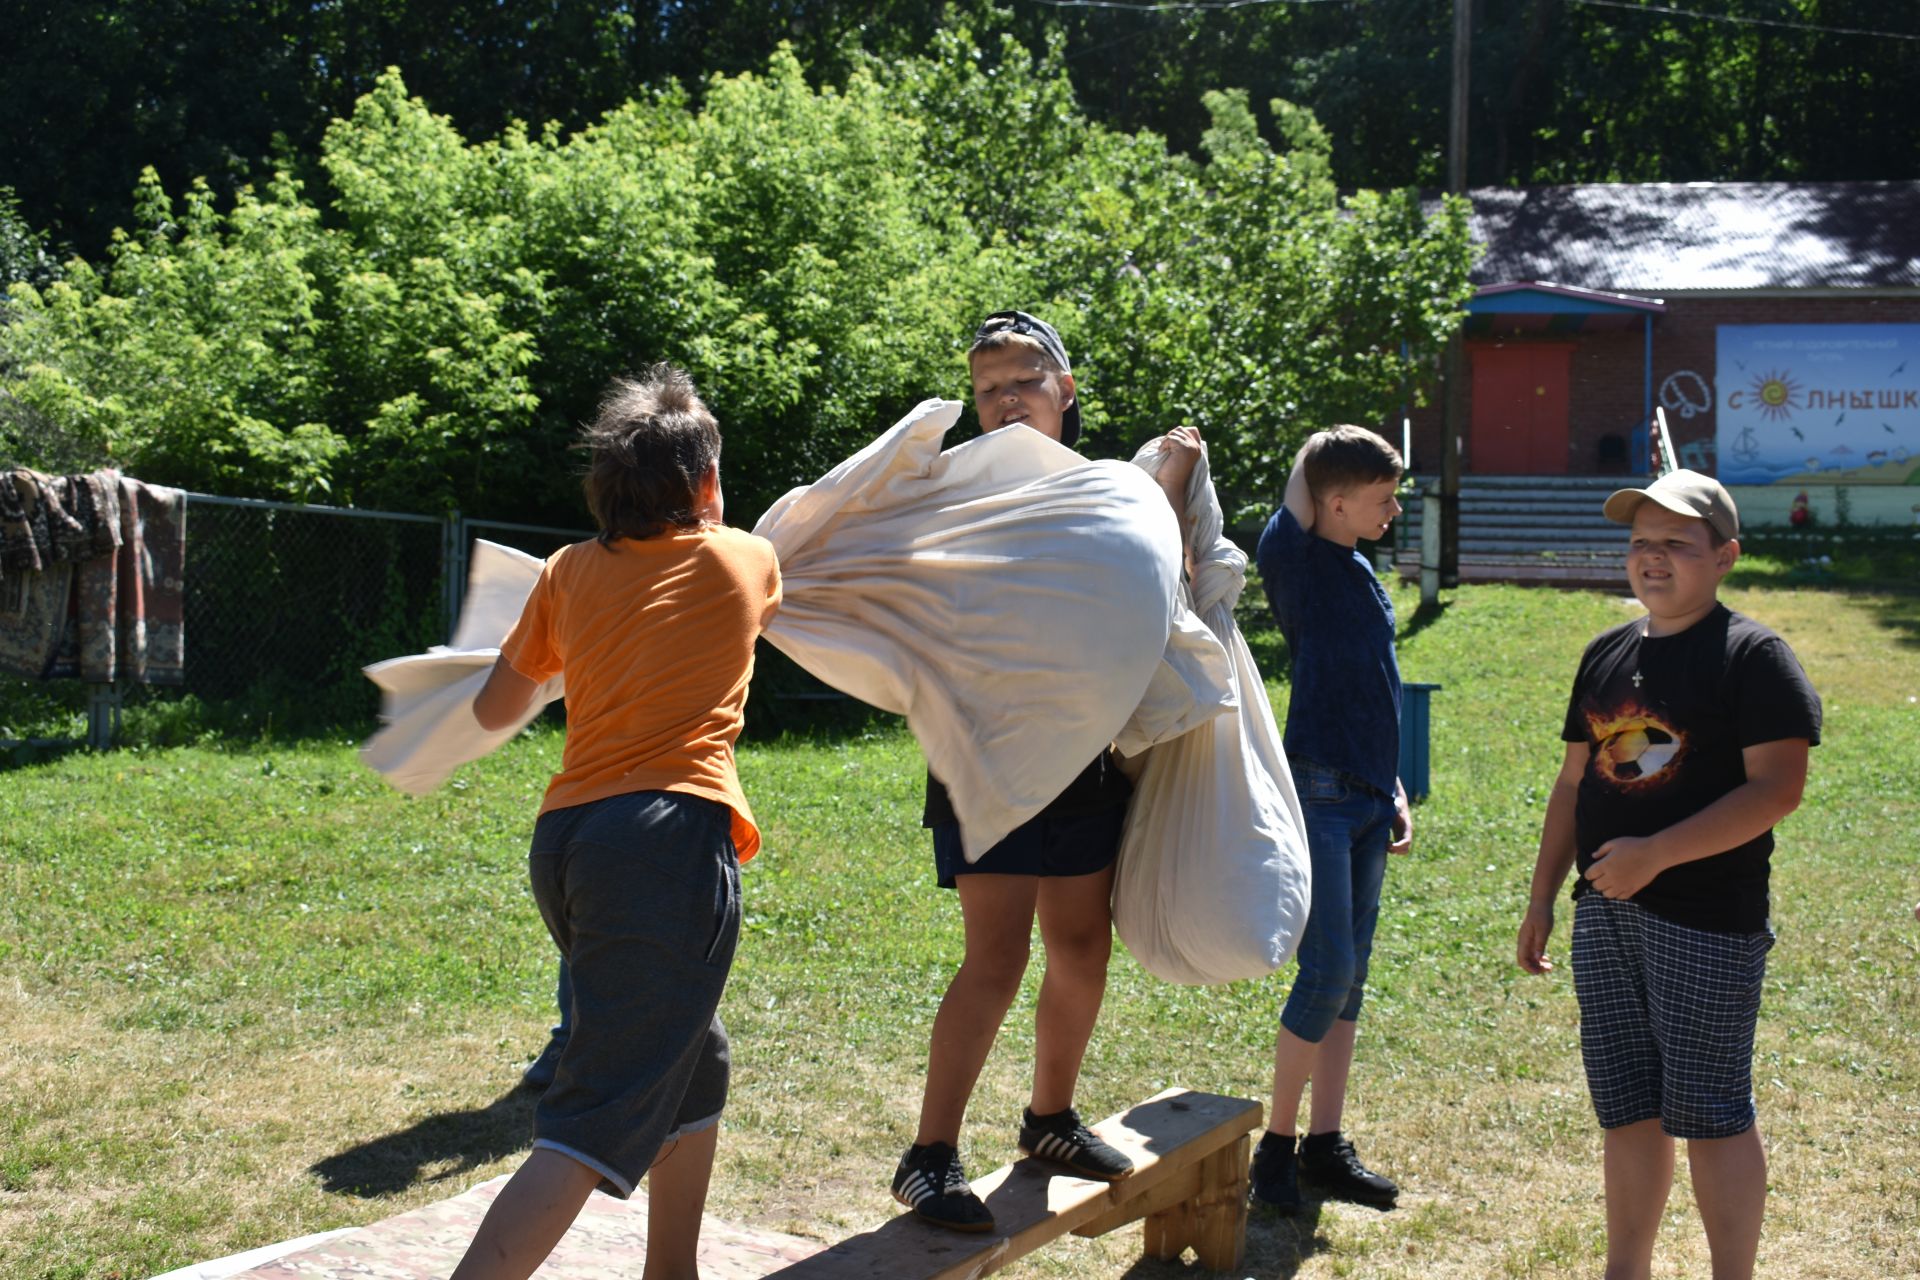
248	992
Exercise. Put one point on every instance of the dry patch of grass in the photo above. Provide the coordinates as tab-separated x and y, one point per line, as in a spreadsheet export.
128	1150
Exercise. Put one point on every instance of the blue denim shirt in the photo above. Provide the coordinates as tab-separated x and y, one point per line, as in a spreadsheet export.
1339	625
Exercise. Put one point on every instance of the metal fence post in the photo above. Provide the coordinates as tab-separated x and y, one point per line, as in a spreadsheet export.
103	714
1430	545
453	560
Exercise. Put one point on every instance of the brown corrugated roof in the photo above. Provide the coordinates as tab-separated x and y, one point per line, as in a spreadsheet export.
1662	238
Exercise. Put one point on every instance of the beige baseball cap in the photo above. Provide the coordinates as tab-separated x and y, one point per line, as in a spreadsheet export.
1683	492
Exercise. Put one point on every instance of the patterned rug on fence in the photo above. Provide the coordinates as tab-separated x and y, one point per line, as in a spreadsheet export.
608	1239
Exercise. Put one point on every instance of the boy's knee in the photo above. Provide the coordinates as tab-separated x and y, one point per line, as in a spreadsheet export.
1081	953
1321	995
1311	1014
999	971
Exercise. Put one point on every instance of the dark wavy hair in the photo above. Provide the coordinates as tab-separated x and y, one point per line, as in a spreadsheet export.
1343	458
648	450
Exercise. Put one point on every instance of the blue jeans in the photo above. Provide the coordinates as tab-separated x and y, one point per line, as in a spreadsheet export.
1349	825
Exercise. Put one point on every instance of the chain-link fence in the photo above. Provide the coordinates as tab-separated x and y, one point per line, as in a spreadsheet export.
284	604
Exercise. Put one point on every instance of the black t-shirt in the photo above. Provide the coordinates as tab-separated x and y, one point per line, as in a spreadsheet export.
1665	719
1099	786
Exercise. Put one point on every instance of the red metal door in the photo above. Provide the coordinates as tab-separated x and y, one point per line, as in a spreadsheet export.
1518	425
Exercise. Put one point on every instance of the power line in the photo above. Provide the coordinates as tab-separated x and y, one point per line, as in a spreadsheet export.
1178	6
1737	19
1204	6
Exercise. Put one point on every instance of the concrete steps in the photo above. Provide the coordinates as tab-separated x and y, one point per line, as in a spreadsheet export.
1545	529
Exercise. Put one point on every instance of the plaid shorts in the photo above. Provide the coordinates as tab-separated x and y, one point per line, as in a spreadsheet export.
1667	1016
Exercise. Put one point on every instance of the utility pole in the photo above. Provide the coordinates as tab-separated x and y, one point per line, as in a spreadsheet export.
1457	114
1454	409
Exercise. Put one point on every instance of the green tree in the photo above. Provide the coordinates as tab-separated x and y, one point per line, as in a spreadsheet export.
25	252
429	326
93	91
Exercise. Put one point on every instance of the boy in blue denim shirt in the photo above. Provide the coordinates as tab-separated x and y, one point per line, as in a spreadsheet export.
1343	739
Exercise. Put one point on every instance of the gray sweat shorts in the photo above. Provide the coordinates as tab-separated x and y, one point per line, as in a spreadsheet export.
642	894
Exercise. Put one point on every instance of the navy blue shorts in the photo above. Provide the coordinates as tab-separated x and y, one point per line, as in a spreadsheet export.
642	894
1667	1016
1044	845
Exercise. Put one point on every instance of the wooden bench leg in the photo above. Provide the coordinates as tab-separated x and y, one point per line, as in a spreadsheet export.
1220	1240
1169	1232
1213	1222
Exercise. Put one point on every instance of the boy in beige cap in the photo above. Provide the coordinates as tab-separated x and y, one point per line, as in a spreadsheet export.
1686	741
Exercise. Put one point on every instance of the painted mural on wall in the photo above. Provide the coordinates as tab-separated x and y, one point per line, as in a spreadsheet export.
1819	403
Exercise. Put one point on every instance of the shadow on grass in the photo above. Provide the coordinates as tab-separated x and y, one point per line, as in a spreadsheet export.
23	754
388	1165
1424	615
1277	1247
1899	615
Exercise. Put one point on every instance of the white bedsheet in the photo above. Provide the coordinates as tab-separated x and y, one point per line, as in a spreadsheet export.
1018	604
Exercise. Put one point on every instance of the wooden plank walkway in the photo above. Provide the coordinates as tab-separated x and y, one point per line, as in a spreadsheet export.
608	1241
1190	1152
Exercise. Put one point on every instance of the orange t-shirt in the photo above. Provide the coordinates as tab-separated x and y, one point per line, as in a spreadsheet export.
655	636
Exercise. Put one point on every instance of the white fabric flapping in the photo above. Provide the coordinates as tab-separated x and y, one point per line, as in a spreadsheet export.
1214	882
427	729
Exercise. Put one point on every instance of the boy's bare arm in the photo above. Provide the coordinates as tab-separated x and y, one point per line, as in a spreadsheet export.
1299	499
1181	448
1776	776
1400	838
1556	859
504	698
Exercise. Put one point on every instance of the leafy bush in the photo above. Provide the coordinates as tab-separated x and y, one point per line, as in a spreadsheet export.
426	328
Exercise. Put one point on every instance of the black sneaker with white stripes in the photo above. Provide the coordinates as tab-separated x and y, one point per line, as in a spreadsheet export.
931	1182
1062	1139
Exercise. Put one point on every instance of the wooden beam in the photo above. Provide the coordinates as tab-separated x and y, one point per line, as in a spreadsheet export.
1169	1193
1171	1138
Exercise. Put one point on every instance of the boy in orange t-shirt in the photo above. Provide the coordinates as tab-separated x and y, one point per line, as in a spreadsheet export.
635	854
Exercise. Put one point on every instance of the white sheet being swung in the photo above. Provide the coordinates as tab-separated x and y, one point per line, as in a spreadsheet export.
1015	602
1019	604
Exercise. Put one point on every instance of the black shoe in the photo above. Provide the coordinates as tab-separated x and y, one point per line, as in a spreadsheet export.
539	1072
931	1182
1275	1174
1329	1166
1062	1139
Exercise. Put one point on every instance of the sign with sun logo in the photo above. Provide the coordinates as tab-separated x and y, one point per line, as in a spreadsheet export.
1819	403
1637	748
1776	395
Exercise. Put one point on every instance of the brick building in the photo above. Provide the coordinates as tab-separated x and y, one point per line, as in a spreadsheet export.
1777	324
